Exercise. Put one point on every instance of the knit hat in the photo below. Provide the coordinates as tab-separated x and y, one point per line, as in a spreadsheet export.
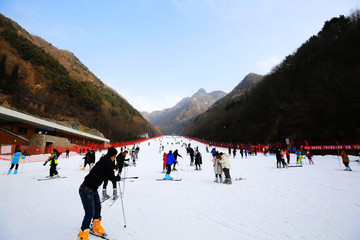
112	151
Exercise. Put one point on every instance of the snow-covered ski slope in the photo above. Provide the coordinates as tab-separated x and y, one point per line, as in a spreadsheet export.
318	201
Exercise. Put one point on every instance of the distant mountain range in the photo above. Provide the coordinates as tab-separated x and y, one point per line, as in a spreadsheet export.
174	120
39	79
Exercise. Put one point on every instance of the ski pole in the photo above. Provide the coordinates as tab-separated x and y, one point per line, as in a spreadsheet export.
22	167
7	169
125	174
122	205
338	155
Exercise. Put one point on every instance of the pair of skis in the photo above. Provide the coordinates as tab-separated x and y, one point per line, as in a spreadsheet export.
50	178
99	236
172	179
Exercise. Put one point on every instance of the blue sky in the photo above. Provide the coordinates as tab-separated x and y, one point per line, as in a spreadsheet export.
156	52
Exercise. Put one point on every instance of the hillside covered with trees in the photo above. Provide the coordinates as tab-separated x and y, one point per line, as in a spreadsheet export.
41	80
313	94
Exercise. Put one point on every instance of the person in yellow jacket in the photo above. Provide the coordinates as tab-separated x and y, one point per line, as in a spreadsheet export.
15	161
53	159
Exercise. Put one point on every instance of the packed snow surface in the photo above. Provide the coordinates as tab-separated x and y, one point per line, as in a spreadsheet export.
318	201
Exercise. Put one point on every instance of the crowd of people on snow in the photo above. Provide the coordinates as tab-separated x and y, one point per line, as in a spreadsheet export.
104	171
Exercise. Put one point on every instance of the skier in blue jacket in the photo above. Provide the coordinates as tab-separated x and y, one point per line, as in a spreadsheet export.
15	161
170	160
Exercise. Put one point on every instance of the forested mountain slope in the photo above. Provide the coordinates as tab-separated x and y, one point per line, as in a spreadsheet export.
313	94
39	79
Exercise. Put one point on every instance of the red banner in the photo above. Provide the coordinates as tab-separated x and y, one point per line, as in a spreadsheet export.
333	147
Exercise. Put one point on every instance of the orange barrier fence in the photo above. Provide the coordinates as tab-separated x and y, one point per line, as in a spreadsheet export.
7	150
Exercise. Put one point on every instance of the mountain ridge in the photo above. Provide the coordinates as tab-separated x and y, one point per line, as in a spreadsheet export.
56	85
173	120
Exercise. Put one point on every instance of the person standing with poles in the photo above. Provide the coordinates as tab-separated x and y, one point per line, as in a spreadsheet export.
53	159
15	161
176	154
103	169
345	159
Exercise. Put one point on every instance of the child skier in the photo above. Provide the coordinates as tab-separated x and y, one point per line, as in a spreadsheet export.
53	159
309	156
225	164
217	168
15	161
104	169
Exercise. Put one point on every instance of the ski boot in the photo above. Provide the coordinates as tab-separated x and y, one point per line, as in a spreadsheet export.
167	177
84	235
15	172
216	180
97	228
226	181
104	194
115	195
229	181
83	168
9	171
220	180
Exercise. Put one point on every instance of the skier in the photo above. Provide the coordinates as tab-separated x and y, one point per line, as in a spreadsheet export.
242	153
169	161
191	152
345	159
120	161
214	152
283	155
133	156
67	153
225	164
234	153
176	154
137	150
87	159
309	156
217	168
15	161
92	158
198	160
53	159
288	156
104	169
164	162
278	158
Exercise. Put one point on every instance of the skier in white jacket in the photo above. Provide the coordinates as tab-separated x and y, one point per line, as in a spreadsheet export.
225	164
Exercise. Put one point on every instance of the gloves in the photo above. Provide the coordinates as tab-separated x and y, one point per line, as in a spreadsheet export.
44	163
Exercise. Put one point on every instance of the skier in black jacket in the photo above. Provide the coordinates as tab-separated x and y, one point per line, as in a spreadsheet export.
103	169
191	151
176	154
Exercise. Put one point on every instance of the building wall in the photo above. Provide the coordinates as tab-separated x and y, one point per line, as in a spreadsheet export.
7	138
40	140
